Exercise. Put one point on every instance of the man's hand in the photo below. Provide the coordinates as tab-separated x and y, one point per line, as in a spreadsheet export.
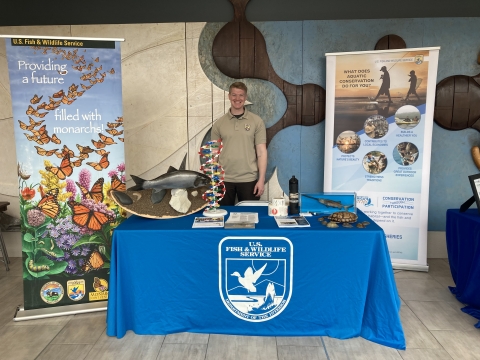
259	188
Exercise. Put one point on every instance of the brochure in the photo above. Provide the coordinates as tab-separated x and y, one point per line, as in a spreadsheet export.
291	221
208	222
241	217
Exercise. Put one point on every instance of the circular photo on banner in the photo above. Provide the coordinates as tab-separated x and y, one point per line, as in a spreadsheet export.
407	117
376	126
374	162
405	153
348	142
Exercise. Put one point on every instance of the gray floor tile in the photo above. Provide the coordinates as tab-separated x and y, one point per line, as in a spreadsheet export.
438	267
186	338
460	345
423	290
131	346
82	329
25	342
301	352
62	352
16	267
358	349
182	352
299	341
445	281
425	354
232	347
439	315
416	334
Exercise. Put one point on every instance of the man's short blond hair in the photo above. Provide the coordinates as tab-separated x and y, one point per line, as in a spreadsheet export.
238	85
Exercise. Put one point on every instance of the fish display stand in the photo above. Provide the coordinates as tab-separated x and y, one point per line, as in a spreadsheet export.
327	203
210	153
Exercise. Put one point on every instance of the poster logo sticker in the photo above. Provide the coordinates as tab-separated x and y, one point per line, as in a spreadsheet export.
76	289
255	276
101	290
51	292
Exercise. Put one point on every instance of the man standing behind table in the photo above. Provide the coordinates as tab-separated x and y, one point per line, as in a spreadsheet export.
244	154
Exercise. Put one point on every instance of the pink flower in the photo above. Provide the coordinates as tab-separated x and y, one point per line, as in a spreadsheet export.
35	217
121	167
71	188
112	173
84	178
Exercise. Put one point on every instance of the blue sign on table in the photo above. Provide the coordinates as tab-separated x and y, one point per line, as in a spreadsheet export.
255	276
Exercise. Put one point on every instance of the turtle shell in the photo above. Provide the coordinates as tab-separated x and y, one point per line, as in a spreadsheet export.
343	217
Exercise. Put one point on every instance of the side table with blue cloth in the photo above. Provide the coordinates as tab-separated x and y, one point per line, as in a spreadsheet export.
463	246
165	279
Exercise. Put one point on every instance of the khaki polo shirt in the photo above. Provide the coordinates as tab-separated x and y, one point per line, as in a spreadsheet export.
240	136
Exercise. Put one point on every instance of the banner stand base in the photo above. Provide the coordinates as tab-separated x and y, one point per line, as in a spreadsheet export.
22	315
413	267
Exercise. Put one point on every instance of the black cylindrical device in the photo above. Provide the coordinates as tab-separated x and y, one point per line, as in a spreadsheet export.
293	206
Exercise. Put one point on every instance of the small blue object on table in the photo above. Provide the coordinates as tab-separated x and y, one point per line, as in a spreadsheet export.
463	247
316	281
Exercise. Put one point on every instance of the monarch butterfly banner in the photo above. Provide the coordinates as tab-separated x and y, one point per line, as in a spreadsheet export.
67	108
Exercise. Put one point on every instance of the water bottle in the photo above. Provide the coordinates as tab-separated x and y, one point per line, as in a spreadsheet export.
293	207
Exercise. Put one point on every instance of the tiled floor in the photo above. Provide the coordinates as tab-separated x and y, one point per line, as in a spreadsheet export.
434	326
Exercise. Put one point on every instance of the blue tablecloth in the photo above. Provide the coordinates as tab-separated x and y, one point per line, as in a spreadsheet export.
463	246
167	277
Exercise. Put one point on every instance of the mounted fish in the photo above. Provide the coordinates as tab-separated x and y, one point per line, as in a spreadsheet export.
173	194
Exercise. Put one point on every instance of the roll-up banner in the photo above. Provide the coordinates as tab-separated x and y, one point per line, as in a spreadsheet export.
379	120
67	109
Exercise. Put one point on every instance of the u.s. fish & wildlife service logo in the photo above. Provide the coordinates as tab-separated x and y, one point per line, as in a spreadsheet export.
247	127
255	276
76	289
51	292
418	59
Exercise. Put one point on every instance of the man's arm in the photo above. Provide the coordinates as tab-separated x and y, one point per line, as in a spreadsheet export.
261	150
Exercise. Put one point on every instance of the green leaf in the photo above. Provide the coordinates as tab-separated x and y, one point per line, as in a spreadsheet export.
106	265
28	247
58	267
26	275
94	239
29	237
41	229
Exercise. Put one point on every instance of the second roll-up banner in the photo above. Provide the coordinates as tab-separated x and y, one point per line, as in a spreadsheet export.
379	120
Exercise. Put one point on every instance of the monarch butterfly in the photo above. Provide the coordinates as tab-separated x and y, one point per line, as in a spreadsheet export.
41	106
96	193
99	68
102	152
37	268
97	284
24	126
42	139
48	204
96	59
94	262
117	184
106	139
65	169
43	152
85	87
85	149
100	80
73	88
119	119
77	163
114	132
112	71
55	139
35	99
40	131
103	74
66	100
102	164
114	125
32	111
66	151
121	139
83	216
35	123
58	94
71	94
80	93
86	77
98	144
92	82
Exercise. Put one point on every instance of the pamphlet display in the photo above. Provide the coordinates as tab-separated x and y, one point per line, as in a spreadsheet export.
379	119
291	221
